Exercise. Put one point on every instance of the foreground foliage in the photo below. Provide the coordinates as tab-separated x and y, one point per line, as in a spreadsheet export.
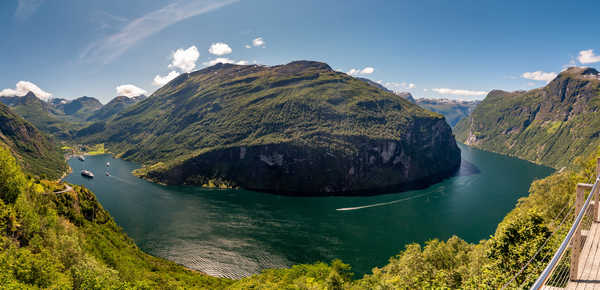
52	237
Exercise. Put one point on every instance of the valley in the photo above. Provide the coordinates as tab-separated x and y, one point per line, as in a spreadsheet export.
234	144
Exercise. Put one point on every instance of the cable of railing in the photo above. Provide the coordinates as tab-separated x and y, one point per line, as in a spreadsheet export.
563	246
540	248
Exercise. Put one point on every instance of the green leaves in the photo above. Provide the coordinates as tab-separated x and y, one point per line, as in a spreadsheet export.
12	180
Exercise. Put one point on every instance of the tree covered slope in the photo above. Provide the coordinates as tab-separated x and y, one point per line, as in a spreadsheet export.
550	125
295	128
41	114
36	152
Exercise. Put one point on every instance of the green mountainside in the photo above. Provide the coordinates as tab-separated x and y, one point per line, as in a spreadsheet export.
114	107
54	235
35	151
41	114
295	128
453	110
550	125
78	109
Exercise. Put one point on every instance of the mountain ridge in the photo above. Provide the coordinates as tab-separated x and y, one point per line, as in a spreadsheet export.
269	117
550	125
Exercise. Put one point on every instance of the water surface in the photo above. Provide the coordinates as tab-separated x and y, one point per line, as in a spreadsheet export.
235	233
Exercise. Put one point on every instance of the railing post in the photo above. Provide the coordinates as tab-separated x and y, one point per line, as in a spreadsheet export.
576	242
596	196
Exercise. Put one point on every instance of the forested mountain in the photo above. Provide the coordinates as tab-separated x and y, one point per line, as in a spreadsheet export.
35	151
114	107
550	125
41	114
295	128
78	109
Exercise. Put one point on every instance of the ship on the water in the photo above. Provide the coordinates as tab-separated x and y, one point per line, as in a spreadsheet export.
87	173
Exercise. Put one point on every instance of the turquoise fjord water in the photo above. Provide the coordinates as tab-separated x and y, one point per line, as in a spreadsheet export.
236	233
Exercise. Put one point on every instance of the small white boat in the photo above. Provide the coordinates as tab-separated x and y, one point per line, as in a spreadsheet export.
81	158
107	164
87	173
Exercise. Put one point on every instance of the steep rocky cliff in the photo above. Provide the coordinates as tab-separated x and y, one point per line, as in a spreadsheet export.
300	128
550	125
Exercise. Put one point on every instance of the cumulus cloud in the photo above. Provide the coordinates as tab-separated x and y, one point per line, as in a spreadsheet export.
539	76
588	56
219	48
365	71
224	60
130	91
470	93
161	81
186	59
112	46
258	42
398	86
353	71
24	87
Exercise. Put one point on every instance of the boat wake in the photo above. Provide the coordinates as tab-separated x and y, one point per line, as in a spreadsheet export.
381	203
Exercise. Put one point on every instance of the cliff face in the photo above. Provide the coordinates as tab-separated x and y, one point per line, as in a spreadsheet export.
361	165
550	125
299	128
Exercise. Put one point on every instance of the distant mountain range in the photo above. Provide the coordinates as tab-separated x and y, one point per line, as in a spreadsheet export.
551	125
61	117
408	96
453	110
296	128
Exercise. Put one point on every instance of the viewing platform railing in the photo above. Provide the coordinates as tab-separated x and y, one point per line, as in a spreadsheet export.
577	260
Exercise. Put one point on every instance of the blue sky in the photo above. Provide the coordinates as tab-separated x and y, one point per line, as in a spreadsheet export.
456	49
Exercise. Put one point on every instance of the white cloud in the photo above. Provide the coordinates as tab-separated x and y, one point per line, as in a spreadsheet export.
26	8
539	76
114	45
353	71
130	91
24	87
219	48
588	56
185	59
161	81
446	91
247	46
258	42
224	60
365	71
395	86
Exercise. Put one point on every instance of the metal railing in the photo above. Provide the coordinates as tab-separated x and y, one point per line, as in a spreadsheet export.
564	267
